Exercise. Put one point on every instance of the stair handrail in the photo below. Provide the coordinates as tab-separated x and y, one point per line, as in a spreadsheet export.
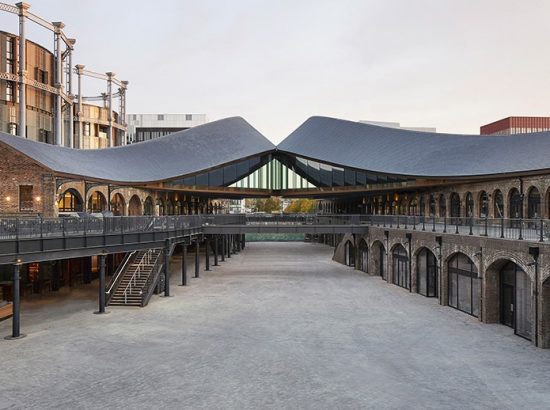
119	270
137	274
152	280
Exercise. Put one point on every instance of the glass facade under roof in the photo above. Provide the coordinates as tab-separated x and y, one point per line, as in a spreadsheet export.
274	175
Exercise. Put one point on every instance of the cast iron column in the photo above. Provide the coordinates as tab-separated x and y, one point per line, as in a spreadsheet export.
101	284
223	248
197	266
167	268
183	264
207	254
16	324
22	70
243	241
229	246
216	240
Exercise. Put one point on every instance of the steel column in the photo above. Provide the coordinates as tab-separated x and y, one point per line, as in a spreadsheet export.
58	84
223	247
216	240
197	266
16	323
22	131
207	254
110	107
101	284
229	246
79	69
183	264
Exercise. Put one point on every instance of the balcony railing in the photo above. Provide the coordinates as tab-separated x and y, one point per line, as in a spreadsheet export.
36	227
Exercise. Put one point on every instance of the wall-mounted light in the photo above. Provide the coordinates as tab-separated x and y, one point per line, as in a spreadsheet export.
38	199
8	198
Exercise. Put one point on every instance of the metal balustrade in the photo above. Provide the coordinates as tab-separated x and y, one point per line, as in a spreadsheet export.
32	228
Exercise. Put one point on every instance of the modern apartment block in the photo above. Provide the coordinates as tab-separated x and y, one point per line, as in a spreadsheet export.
144	127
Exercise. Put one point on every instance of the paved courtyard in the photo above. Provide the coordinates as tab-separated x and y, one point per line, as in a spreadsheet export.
278	326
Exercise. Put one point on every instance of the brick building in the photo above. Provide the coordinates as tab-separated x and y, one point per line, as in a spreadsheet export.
516	125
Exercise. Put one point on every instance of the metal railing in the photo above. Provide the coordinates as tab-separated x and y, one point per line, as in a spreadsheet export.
117	276
144	266
23	228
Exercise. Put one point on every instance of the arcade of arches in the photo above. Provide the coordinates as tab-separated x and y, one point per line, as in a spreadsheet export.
494	289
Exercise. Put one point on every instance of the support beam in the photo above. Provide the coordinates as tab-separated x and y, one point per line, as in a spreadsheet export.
183	264
79	70
16	324
58	83
101	309
197	266
22	71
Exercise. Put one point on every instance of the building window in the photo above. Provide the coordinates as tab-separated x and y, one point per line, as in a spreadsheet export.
464	285
9	90
86	130
160	117
188	117
25	198
12	128
41	76
10	61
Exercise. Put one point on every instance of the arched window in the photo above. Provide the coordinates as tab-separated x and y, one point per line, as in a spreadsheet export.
483	205
533	204
422	206
70	201
498	199
97	202
515	204
118	205
455	205
169	207
442	206
350	254
469	205
413	207
148	207
400	267
134	206
363	256
515	299
426	265
464	284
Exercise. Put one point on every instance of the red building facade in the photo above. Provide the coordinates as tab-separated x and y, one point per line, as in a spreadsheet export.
516	125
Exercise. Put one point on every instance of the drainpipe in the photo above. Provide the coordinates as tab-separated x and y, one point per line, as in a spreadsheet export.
534	252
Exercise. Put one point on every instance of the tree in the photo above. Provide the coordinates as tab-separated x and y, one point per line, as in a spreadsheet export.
302	206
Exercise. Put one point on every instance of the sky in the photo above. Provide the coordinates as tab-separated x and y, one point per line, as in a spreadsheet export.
450	64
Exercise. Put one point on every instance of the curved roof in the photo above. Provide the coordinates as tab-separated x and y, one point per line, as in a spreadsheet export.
176	155
414	153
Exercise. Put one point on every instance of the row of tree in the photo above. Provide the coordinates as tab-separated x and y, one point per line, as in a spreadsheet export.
274	204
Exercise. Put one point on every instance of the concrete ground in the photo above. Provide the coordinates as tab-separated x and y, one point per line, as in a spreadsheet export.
278	326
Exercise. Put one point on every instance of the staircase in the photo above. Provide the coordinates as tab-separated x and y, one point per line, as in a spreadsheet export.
138	279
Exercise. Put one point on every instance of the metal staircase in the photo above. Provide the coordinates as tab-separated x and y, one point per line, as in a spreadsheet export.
134	282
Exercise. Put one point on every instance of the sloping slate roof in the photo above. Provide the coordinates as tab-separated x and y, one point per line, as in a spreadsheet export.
176	155
413	153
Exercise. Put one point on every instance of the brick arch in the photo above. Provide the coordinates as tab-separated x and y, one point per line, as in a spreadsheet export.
118	204
504	207
473	258
499	259
135	206
375	262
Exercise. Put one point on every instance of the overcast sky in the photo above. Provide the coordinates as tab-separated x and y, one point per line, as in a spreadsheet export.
450	64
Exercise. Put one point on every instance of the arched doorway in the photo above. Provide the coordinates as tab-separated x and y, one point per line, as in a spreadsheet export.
70	201
498	199
514	199
464	284
426	273
350	254
97	202
455	205
442	206
169	207
483	205
432	205
400	267
134	206
533	204
118	206
148	207
363	256
162	209
469	205
413	207
378	255
515	299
